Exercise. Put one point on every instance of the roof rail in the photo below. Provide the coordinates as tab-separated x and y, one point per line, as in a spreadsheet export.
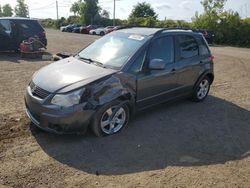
171	28
161	29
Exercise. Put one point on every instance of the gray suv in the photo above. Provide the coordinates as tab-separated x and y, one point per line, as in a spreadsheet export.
117	75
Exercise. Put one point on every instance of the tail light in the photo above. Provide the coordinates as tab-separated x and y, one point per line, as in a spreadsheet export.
42	35
211	58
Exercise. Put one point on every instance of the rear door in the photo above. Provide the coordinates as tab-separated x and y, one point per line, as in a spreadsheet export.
156	86
188	60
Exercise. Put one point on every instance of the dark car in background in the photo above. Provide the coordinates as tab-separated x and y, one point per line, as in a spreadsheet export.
13	30
77	29
117	75
209	35
69	28
85	30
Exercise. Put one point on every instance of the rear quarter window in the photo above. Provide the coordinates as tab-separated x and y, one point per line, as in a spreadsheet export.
203	46
30	26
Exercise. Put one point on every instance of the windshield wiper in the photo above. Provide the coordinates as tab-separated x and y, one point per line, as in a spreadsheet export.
98	63
92	61
85	59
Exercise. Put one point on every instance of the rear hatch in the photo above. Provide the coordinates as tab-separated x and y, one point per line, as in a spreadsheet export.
32	28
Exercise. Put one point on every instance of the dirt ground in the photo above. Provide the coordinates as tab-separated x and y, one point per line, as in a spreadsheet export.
182	144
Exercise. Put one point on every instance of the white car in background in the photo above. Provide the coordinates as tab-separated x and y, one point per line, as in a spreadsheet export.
101	31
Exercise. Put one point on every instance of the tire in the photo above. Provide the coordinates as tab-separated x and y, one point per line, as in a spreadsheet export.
102	125
201	89
102	33
94	33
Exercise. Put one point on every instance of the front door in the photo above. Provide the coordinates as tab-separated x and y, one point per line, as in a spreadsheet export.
156	86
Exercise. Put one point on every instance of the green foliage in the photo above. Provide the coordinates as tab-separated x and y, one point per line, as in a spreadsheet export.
228	27
56	24
91	11
76	7
105	14
21	9
48	23
143	10
1	13
213	6
7	10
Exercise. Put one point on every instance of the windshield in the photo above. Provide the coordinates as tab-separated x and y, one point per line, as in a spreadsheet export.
113	50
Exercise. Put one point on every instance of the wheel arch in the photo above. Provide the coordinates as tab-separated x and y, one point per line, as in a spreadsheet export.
209	74
111	89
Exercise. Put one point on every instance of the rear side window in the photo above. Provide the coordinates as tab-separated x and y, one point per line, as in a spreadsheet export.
30	26
203	47
163	48
188	46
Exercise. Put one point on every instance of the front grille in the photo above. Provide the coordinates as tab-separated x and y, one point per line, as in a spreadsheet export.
37	91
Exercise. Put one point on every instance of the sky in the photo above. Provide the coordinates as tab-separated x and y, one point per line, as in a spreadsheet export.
169	9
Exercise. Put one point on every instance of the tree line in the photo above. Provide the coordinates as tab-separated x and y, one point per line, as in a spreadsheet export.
228	26
21	9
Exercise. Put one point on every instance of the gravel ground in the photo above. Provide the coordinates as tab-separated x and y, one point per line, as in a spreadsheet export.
182	144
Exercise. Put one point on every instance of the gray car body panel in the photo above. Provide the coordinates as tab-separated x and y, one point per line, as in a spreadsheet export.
59	76
103	85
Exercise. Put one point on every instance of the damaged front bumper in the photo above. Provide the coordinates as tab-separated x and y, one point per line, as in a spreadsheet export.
57	120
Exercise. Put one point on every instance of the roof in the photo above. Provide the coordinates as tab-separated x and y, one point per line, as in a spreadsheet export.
146	31
140	30
16	18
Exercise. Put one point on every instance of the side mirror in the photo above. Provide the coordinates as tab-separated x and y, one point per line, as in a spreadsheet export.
157	64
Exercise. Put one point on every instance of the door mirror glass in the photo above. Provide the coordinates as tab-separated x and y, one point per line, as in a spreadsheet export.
157	64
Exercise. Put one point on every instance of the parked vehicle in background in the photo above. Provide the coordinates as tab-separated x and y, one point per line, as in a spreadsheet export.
85	30
70	28
13	30
117	75
77	29
101	30
209	35
118	27
62	28
109	29
97	31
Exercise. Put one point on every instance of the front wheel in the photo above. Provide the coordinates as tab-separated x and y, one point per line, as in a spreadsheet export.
110	119
102	33
201	89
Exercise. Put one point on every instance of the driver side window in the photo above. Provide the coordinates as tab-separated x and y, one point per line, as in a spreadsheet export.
163	48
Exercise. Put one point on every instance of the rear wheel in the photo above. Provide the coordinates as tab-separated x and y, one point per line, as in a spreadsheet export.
201	89
110	119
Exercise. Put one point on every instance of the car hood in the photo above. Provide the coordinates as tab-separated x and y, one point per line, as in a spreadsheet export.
67	73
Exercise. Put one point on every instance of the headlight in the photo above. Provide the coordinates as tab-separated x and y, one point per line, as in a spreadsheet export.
69	99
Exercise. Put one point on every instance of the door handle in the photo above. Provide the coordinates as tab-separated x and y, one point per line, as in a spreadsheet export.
173	71
202	62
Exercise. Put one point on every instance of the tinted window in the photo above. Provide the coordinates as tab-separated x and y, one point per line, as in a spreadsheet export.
203	47
163	48
5	25
30	26
138	63
188	47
